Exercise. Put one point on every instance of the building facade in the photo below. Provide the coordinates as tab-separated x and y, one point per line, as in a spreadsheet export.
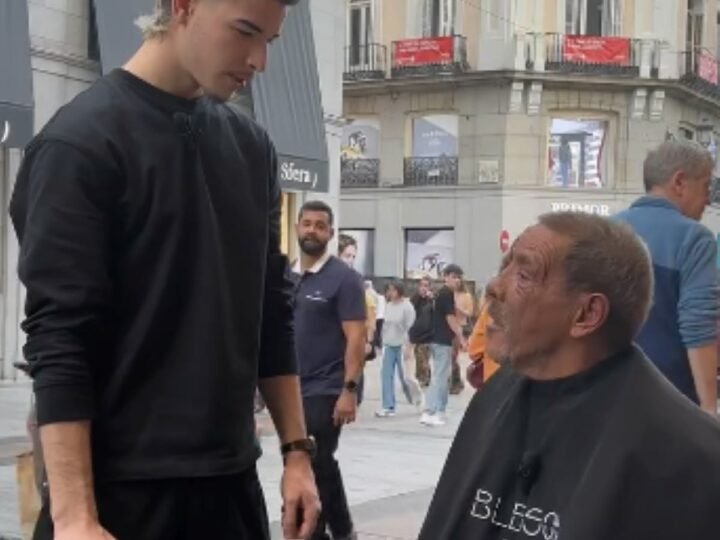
71	43
468	119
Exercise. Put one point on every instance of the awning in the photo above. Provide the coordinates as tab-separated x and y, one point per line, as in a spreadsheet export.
118	36
16	87
285	99
287	102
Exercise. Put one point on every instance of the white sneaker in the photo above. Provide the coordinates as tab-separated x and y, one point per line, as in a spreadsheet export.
384	413
434	420
426	419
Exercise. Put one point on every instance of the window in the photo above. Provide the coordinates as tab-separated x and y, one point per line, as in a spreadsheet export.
360	31
428	251
439	17
435	136
577	154
593	17
359	250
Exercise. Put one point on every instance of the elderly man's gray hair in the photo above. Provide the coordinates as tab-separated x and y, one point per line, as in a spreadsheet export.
670	157
158	23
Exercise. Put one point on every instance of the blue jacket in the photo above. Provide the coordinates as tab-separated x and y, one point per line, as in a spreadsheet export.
685	304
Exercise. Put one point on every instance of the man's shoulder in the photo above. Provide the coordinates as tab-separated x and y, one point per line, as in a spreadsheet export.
243	126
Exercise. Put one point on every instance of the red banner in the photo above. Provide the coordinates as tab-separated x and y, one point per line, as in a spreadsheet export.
707	67
420	52
597	50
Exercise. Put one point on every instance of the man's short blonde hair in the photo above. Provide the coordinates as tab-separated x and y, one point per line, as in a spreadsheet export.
158	23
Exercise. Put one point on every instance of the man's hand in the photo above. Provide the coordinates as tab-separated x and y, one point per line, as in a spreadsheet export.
301	504
345	408
82	531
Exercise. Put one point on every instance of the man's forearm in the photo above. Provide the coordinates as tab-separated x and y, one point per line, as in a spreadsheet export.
68	463
704	367
454	325
284	401
354	359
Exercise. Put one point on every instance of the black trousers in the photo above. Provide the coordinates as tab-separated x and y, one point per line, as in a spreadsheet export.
335	512
222	508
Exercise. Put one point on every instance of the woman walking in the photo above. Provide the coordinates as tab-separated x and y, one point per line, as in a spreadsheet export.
399	318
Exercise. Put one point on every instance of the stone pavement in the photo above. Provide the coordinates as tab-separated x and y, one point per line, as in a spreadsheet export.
390	466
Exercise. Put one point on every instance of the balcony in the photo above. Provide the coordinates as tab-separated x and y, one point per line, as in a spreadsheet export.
359	173
429	56
699	70
367	61
601	55
431	171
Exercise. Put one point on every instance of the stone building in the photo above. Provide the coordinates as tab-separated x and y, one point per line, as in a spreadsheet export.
469	118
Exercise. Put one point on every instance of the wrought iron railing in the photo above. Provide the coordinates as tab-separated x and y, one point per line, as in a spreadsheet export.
432	63
699	71
431	171
359	173
367	61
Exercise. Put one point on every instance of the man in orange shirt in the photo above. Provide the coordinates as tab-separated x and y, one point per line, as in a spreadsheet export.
483	367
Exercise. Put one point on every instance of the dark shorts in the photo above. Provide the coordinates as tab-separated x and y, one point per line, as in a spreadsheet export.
221	508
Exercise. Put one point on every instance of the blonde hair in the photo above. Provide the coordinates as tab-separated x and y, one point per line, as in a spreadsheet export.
156	24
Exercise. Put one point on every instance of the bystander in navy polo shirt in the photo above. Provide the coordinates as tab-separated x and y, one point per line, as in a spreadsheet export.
326	295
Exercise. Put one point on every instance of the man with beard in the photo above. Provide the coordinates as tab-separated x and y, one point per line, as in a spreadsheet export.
148	215
330	337
578	436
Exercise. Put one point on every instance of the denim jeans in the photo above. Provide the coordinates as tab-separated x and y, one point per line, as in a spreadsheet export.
437	393
393	361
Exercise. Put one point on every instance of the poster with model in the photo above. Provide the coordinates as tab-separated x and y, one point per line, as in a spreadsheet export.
357	248
361	140
428	251
577	153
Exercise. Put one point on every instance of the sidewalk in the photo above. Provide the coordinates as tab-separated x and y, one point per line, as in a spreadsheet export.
390	465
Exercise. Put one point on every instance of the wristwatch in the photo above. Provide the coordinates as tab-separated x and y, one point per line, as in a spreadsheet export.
351	386
303	445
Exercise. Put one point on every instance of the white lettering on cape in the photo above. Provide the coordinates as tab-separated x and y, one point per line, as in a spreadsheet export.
531	522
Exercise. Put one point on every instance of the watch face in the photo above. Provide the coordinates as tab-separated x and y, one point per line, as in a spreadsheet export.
351	385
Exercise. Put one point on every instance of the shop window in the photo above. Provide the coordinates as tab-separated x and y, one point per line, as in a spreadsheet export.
93	51
357	249
577	153
428	252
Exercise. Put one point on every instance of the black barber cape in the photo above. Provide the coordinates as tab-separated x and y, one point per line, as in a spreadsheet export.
615	453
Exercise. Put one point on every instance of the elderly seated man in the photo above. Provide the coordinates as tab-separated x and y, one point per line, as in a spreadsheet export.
578	436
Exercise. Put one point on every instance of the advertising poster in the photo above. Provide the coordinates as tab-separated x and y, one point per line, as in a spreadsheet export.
361	140
423	51
597	50
428	251
435	136
360	253
576	156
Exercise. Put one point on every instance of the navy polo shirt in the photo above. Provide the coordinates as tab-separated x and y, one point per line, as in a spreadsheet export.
326	295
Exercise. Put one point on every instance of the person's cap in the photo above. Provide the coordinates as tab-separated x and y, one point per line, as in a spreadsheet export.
453	269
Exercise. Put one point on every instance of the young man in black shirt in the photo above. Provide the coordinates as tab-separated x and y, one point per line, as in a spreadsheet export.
421	332
445	329
578	436
148	217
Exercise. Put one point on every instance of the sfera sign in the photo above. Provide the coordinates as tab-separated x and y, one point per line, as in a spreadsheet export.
289	172
297	174
588	208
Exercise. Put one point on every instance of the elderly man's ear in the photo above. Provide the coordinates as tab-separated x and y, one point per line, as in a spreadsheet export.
590	316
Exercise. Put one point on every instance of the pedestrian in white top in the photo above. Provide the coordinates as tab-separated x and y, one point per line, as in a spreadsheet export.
399	318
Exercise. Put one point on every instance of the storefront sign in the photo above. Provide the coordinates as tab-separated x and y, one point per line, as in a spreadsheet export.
597	50
302	174
588	208
420	52
707	67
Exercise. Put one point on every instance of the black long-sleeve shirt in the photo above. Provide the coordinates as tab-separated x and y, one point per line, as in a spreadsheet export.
156	289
